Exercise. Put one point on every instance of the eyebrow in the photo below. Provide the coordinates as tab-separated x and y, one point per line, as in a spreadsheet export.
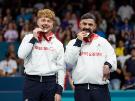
87	23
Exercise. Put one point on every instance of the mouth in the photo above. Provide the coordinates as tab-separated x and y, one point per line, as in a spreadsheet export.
45	28
87	34
87	30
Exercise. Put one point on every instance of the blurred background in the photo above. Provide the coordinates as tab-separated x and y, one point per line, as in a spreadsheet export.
115	22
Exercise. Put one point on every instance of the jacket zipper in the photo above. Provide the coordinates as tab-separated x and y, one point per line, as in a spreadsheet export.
88	86
41	79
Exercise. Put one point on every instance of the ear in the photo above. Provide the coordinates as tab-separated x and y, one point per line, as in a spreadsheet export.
80	25
38	24
95	26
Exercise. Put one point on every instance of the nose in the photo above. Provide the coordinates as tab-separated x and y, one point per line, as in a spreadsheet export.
87	26
45	22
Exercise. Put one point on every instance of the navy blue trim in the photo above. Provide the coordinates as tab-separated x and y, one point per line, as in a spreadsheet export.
33	40
78	43
59	89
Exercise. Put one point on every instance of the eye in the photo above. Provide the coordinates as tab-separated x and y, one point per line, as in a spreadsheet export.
84	23
48	21
43	20
90	24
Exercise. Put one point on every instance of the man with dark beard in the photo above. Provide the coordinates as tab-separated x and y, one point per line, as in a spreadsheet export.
92	59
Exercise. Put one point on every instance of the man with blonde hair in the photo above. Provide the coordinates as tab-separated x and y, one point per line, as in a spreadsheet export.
43	56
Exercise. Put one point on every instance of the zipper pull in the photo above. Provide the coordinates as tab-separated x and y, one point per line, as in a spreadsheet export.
40	78
88	86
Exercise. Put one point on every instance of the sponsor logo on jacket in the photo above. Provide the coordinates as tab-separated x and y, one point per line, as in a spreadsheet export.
90	54
44	48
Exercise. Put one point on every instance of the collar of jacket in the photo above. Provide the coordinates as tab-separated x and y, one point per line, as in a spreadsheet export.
90	37
47	37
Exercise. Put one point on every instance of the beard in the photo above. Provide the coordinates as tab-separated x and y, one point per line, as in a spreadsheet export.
88	31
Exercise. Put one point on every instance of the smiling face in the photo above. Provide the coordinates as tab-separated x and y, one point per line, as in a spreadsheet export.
88	25
46	19
45	23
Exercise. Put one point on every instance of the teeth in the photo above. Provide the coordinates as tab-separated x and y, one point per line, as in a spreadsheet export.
43	26
87	34
45	30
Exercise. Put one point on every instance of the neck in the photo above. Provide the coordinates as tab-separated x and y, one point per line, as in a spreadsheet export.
47	34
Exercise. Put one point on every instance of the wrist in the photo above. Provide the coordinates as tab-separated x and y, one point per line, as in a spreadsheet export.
108	64
59	89
78	42
33	40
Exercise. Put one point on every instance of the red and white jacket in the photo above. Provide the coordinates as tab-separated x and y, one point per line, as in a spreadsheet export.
43	58
88	60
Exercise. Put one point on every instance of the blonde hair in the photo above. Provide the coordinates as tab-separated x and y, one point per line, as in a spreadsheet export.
46	13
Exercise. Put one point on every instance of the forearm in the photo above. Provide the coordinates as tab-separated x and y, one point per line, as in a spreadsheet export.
110	60
61	71
60	81
60	84
26	48
72	52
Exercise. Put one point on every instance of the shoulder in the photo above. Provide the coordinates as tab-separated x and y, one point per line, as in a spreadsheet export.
101	39
71	42
28	36
57	42
104	42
